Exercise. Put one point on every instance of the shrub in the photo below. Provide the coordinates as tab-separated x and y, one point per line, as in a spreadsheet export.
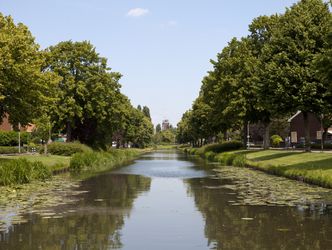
21	171
220	147
10	150
226	159
10	138
67	148
276	140
239	160
210	156
100	160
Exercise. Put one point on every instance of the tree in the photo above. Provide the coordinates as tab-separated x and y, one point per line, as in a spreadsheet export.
43	129
291	82
89	93
158	128
139	129
24	87
146	112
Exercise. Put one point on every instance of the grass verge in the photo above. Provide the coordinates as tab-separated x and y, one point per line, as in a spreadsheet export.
312	168
52	162
99	161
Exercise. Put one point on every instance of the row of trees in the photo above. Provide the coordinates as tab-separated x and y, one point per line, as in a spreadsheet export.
282	66
67	87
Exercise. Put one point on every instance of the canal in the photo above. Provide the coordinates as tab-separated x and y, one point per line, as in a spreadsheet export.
165	200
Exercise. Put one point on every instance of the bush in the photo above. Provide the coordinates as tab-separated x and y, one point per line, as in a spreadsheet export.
10	138
101	160
220	147
10	150
67	148
22	171
276	140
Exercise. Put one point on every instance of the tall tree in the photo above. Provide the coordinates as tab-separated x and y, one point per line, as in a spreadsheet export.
24	88
146	112
88	93
291	81
158	128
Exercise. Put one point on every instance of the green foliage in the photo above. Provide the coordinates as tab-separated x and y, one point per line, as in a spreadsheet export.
67	149
221	147
165	137
276	140
25	88
10	138
22	171
146	112
88	161
9	150
158	128
282	66
88	93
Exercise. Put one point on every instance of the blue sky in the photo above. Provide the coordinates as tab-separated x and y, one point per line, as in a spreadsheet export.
162	48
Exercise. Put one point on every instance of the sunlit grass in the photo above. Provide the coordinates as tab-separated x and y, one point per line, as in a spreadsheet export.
53	162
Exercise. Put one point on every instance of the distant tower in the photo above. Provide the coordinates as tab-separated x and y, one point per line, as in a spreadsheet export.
165	125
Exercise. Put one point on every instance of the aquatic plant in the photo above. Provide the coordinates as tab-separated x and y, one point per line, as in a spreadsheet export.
97	160
21	171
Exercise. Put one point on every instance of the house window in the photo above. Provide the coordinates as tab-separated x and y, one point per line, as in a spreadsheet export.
294	137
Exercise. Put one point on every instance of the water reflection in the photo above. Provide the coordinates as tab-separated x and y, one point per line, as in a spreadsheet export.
93	223
167	201
164	164
257	227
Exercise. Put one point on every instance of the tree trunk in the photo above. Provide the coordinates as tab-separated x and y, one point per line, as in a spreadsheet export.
306	131
266	137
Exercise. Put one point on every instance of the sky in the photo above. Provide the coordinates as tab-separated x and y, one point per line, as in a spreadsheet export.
162	48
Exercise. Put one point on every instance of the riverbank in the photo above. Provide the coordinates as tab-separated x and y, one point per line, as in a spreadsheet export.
313	168
22	169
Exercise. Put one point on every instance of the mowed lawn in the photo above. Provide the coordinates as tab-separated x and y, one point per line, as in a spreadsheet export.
53	162
313	167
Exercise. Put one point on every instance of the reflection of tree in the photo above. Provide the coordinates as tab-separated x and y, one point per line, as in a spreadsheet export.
271	228
95	225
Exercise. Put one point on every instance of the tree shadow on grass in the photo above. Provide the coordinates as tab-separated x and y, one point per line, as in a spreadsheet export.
325	164
275	156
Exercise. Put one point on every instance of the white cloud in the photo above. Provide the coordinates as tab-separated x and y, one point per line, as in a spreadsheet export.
137	12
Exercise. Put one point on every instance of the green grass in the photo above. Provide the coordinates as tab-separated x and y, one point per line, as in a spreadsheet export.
315	168
103	160
52	162
20	171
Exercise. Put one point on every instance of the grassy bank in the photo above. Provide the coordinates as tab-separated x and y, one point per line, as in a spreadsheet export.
52	162
313	168
22	169
105	160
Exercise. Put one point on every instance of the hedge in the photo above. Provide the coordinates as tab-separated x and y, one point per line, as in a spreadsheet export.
67	148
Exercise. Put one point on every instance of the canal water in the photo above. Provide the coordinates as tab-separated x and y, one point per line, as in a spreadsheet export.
165	200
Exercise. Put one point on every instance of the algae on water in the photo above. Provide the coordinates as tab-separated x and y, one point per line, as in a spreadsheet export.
258	188
37	197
